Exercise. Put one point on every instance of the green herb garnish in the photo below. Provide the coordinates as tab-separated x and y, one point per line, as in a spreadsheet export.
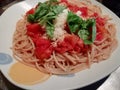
45	14
85	29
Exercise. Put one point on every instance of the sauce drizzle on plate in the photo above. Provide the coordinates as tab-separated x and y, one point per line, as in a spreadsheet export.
27	75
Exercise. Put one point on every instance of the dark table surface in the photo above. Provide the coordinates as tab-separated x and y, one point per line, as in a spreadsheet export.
93	86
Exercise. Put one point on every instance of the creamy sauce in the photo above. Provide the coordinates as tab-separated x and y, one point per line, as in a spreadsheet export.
27	75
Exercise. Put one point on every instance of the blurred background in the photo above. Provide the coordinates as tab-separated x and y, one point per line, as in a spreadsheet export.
113	5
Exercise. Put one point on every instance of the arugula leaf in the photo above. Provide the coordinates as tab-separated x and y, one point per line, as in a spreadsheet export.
50	14
49	17
41	11
30	18
45	14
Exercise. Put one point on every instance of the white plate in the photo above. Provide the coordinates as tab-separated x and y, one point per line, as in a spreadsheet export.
96	72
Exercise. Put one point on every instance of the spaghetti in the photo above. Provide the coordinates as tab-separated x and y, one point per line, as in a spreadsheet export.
55	56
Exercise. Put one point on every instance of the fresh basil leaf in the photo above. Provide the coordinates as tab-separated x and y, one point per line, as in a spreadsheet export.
86	23
91	24
82	27
73	22
83	34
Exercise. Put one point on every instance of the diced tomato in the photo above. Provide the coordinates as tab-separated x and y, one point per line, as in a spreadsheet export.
35	28
42	42
43	48
71	40
75	8
67	28
86	48
62	47
43	53
64	1
99	20
99	37
31	11
101	31
70	43
95	15
34	37
79	46
84	11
